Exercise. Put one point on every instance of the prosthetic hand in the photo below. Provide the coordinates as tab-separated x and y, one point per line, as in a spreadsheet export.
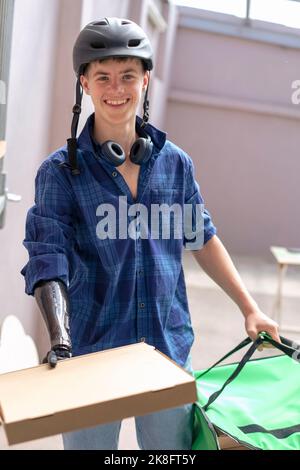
52	299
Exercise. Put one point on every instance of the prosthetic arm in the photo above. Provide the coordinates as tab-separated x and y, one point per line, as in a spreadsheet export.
52	299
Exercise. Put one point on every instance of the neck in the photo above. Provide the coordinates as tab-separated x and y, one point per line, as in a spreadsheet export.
123	134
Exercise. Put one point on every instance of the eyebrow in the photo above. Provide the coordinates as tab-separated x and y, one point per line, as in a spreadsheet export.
100	72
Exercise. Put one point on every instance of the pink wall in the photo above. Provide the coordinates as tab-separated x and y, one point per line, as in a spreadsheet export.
230	108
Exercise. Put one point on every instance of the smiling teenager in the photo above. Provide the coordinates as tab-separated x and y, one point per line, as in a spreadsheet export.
97	293
116	86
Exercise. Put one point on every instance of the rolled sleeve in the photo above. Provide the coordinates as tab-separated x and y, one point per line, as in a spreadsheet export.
49	231
198	224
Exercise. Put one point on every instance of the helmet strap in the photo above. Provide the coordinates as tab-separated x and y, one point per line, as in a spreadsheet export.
72	142
146	107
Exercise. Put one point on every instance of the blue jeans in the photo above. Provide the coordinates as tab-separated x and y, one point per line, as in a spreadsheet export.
170	429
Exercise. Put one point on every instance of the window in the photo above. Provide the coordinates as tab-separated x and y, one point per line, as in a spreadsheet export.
285	12
231	7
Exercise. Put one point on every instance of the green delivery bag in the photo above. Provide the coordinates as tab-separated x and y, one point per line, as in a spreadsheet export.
256	402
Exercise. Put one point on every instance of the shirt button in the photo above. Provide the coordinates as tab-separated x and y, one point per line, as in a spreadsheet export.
142	305
143	340
114	174
140	271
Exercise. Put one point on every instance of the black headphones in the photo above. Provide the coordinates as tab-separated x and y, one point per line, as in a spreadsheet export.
140	151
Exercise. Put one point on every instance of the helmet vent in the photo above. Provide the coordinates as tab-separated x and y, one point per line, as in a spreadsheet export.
100	23
98	45
125	22
134	42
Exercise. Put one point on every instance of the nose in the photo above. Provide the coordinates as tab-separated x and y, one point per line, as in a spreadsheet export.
116	85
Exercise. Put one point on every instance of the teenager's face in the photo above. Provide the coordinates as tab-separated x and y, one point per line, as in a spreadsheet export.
115	88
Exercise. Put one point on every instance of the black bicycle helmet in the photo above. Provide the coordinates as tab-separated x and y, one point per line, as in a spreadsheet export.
108	37
111	37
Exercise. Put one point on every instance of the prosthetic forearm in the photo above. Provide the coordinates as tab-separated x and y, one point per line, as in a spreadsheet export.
52	299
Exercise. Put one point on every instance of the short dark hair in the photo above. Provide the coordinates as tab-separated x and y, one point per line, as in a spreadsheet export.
85	68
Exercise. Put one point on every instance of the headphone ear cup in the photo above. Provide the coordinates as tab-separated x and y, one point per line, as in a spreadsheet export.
113	153
141	151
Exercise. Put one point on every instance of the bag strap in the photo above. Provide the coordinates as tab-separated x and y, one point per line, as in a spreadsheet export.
236	372
237	348
290	348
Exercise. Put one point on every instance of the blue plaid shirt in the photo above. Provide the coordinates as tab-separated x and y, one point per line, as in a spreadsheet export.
121	291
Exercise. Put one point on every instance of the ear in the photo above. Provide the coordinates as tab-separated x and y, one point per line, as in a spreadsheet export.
146	80
85	84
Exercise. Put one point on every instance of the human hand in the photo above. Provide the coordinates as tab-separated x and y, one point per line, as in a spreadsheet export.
256	322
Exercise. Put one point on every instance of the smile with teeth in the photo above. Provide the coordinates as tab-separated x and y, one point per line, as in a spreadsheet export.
116	102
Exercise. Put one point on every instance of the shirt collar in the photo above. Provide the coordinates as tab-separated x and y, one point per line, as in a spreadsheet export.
86	142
